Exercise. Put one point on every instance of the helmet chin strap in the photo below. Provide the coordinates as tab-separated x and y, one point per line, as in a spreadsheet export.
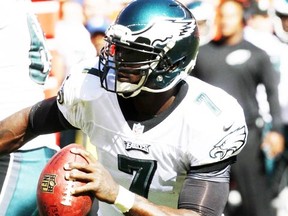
129	88
129	95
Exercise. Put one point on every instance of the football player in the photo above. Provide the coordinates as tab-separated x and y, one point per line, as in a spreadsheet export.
154	126
24	67
205	14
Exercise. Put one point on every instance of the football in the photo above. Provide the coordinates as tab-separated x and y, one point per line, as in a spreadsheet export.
53	190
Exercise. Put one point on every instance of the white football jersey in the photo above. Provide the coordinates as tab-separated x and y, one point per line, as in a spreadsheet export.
206	127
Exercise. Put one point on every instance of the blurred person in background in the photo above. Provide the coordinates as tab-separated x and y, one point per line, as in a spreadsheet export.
24	66
237	66
108	8
259	31
72	45
280	24
280	30
204	13
97	27
72	40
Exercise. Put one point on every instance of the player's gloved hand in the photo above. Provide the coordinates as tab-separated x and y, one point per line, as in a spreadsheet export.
39	54
99	181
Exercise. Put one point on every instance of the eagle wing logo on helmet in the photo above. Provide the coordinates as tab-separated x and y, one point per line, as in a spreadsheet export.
163	31
230	144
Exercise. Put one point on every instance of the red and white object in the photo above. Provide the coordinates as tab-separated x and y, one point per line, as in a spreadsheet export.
53	192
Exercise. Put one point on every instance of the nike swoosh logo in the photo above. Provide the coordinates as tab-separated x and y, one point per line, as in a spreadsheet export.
227	127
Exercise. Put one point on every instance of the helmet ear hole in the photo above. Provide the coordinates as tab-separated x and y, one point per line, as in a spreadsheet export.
164	64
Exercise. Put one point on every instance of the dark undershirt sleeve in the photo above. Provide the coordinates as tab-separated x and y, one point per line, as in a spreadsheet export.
45	118
206	188
205	197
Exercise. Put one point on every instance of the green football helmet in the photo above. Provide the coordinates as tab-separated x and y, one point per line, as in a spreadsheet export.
155	40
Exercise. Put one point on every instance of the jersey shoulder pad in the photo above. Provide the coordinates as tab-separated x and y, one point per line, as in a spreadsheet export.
80	85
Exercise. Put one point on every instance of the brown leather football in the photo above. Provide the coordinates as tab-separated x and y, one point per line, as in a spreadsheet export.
53	192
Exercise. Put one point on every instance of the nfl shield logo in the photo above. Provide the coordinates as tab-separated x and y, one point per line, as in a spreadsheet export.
138	128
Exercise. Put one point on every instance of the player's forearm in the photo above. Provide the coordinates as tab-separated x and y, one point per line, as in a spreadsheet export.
13	131
143	207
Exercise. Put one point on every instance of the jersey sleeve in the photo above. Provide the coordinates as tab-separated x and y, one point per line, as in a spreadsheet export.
218	126
78	87
234	132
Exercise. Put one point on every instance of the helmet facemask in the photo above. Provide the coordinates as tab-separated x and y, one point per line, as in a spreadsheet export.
126	66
